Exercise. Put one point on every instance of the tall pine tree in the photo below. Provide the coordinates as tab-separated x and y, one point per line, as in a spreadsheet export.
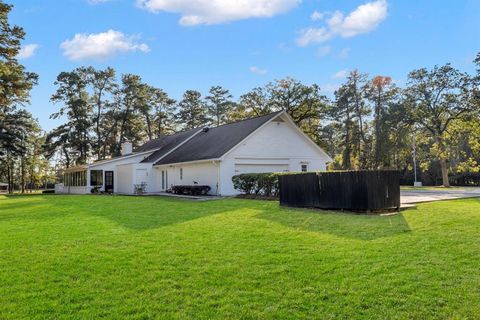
192	111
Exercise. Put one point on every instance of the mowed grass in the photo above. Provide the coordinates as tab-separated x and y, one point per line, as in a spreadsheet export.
433	188
90	257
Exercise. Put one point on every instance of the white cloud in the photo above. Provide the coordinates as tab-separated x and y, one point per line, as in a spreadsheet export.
196	12
316	15
344	53
340	74
365	18
311	35
323	51
100	46
27	51
258	70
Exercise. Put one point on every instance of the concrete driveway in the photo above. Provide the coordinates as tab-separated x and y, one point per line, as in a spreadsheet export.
415	196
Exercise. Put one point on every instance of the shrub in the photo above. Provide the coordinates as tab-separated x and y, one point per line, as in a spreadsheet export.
245	182
48	191
465	179
265	184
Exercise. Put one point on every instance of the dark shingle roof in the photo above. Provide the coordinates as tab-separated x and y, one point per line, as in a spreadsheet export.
162	141
165	144
215	142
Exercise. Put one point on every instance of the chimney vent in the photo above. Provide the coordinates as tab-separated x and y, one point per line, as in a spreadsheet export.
127	148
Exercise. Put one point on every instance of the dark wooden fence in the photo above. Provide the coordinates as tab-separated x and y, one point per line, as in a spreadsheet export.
349	190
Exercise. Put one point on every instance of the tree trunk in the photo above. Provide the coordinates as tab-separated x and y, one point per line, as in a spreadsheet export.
22	174
32	182
347	162
443	160
149	127
443	166
10	182
67	157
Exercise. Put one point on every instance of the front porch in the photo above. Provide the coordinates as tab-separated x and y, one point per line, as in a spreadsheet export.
75	181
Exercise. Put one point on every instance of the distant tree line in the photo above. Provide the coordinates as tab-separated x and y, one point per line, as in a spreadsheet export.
369	122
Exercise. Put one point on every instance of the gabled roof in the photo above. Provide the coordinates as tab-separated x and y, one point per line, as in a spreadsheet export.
200	143
154	149
165	144
215	142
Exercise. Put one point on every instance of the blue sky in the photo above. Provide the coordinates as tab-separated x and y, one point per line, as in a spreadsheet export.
193	44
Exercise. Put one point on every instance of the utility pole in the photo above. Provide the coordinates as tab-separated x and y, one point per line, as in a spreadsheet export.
415	183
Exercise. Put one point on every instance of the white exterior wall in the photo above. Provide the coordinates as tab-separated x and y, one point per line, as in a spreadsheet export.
204	173
127	166
124	177
59	188
149	176
74	190
128	175
276	145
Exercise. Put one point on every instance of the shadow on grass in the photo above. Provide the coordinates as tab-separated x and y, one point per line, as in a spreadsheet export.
154	212
144	213
20	204
347	225
138	213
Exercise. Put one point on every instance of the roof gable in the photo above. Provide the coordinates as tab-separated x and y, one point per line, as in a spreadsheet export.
215	142
166	144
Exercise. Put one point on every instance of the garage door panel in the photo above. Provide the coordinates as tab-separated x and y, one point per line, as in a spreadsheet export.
260	168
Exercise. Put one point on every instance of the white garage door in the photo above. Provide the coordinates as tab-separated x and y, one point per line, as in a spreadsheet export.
259	168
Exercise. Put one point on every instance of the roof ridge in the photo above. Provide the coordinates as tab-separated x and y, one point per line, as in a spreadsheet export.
265	115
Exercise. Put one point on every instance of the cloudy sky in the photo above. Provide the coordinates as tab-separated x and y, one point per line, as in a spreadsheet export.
240	44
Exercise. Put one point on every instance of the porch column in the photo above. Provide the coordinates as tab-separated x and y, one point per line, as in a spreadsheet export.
88	180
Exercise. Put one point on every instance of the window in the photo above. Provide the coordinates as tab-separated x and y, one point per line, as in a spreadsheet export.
181	173
163	180
304	168
75	179
96	178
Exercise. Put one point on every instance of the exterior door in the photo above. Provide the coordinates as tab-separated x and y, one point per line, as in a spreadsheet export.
109	181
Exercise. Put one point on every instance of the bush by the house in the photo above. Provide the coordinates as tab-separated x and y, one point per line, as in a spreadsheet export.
259	184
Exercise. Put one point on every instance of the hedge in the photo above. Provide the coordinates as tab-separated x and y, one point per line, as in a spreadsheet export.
465	179
262	184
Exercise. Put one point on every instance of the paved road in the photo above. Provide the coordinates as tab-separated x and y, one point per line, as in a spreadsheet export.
416	196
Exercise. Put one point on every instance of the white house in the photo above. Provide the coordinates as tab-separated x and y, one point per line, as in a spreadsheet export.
204	156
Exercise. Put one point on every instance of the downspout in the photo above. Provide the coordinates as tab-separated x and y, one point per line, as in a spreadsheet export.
217	164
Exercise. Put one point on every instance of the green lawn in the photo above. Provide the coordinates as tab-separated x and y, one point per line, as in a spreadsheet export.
431	188
72	257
